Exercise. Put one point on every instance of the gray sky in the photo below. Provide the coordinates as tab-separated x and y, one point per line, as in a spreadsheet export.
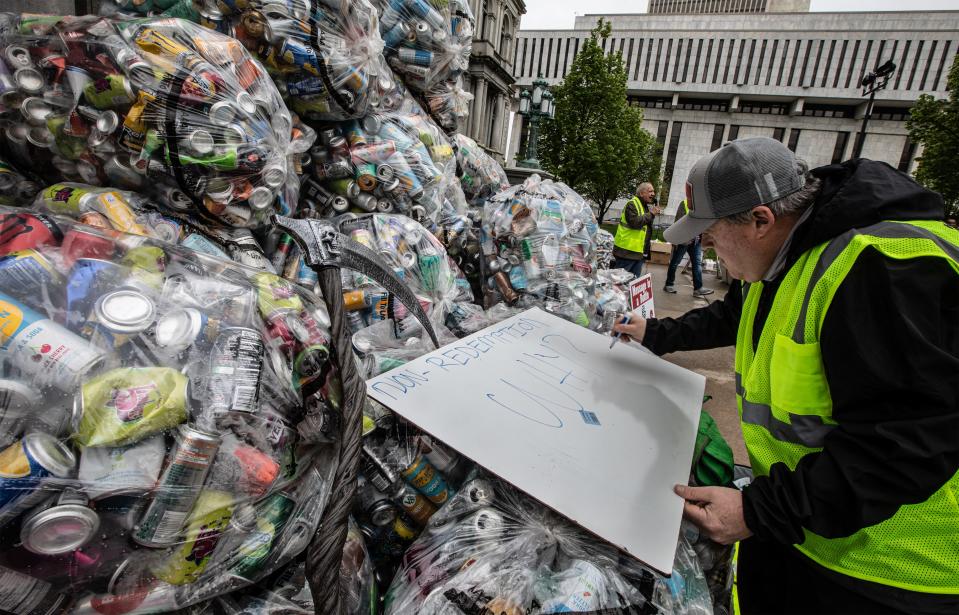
559	14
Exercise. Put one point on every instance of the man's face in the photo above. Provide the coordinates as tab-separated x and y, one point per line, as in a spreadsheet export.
646	193
737	246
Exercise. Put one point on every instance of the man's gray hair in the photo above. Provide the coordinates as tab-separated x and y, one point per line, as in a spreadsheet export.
794	203
641	186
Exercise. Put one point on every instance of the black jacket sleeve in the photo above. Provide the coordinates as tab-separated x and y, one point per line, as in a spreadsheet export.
712	326
890	348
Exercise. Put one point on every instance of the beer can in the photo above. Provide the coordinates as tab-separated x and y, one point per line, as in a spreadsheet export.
63	523
44	351
25	463
127	404
178	488
374	503
208	521
198	141
427	480
29	81
106	472
415	505
109	91
235	370
417	57
184	328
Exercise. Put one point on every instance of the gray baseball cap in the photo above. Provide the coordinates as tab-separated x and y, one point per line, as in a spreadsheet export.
735	178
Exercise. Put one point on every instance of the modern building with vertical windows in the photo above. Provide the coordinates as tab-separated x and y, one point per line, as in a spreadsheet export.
706	78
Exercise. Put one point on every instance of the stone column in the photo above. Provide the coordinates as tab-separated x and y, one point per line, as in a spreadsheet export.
513	153
479	110
499	128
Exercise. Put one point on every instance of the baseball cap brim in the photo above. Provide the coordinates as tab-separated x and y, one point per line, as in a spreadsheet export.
687	229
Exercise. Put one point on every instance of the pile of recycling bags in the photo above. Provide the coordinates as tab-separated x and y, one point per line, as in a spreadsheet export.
480	176
152	400
160	105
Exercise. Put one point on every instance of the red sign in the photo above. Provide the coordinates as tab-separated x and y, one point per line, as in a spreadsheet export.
641	296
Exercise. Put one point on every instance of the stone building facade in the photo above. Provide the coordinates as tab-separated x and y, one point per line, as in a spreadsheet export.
706	79
491	71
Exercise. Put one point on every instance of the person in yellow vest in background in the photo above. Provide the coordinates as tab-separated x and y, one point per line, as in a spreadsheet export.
694	249
846	327
635	230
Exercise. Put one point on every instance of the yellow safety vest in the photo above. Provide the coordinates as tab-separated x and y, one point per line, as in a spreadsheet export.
685	207
627	238
786	409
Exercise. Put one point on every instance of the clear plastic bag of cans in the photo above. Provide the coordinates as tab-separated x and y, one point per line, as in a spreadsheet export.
605	242
428	43
287	592
538	249
612	298
163	420
480	175
326	56
16	189
492	549
149	105
385	334
159	218
394	161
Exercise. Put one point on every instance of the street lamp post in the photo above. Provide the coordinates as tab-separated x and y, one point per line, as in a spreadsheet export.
535	106
872	83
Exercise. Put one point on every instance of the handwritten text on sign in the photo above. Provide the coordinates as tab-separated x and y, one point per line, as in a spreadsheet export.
599	435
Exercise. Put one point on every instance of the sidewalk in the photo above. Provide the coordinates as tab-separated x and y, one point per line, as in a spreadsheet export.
716	365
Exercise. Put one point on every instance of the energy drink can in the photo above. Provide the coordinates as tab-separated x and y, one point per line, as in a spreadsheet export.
25	463
236	363
63	523
178	488
127	404
43	350
27	231
208	521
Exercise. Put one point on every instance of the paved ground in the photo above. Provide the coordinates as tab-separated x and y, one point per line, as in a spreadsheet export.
716	365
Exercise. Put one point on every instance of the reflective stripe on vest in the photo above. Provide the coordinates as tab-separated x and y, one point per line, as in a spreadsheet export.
786	407
627	238
685	207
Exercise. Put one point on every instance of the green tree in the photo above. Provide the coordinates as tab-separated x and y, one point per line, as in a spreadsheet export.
596	142
935	124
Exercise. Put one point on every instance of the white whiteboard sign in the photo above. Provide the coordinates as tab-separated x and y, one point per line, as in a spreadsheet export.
599	435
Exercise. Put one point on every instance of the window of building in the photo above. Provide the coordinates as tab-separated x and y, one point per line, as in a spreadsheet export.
506	36
915	65
782	63
842	140
661	131
718	130
762	58
825	71
795	62
942	64
821	110
898	114
763	107
772	61
702	104
852	64
733	132
793	139
839	64
629	58
779	133
671	158
908	153
650	102
719	57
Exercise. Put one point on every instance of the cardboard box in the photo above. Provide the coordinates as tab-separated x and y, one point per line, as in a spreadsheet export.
659	252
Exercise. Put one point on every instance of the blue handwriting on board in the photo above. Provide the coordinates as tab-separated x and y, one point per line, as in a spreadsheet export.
543	386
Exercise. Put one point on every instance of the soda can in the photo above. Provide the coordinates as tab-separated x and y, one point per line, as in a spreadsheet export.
29	81
396	35
272	520
185	327
283	247
236	363
415	505
44	351
366	178
374	503
416	57
127	404
118	211
244	248
309	86
24	464
89	278
106	472
208	520
22	231
178	488
118	316
61	524
17	404
109	91
299	54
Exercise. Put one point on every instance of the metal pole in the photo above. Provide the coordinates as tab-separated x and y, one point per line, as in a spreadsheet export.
865	122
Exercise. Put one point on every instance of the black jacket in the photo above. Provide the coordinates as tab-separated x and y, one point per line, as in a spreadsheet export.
636	221
890	348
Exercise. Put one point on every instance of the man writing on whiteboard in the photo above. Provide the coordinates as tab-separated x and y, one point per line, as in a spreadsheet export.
846	327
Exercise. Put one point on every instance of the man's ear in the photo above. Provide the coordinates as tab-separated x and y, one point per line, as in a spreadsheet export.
763	219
